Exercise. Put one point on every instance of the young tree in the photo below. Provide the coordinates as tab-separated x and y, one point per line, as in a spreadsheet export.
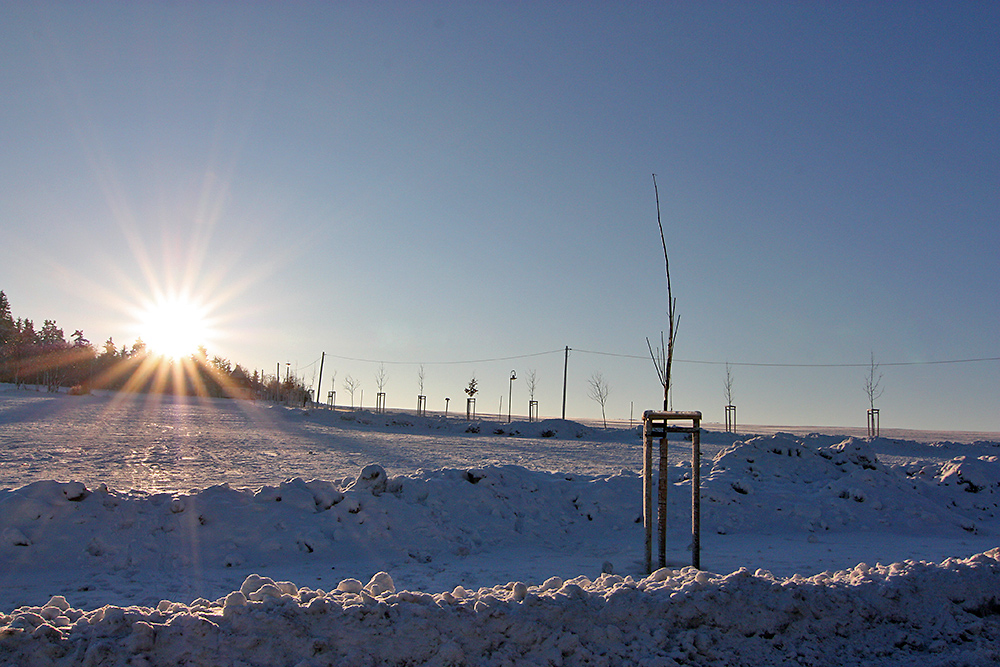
380	377
729	384
663	356
351	385
473	386
873	383
531	382
420	380
599	390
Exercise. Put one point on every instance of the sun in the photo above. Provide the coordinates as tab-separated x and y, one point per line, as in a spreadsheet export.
174	327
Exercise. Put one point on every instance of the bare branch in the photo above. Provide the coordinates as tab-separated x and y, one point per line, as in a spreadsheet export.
599	390
873	383
531	383
351	385
380	377
729	384
663	359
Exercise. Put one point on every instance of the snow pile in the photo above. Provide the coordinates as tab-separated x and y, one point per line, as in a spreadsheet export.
888	615
780	483
374	518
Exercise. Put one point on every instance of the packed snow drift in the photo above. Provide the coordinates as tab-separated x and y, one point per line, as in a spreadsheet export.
137	530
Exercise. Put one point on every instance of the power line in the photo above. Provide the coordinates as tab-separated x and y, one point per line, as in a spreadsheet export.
790	365
445	363
706	362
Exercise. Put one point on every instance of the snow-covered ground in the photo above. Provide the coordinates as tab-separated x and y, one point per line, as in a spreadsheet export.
137	530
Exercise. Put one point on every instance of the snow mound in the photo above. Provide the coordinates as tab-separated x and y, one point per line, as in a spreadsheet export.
977	475
781	483
900	614
423	518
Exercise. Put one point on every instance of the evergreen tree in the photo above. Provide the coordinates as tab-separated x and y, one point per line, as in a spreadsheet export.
8	335
51	337
7	328
25	340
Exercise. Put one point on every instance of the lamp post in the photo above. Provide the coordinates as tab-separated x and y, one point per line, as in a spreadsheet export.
510	392
446	401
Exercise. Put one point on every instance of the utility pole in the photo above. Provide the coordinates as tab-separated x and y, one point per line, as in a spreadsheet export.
565	369
319	385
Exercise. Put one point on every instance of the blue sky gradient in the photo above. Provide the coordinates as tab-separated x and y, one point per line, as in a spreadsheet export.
447	182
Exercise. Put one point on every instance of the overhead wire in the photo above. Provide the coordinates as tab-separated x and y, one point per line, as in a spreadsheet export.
445	363
680	361
796	365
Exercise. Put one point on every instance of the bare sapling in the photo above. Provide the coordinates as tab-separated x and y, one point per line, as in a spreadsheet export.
421	398
663	355
351	385
532	384
729	384
599	390
873	383
380	379
730	408
874	390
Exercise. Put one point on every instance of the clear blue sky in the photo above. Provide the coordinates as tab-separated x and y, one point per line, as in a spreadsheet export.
443	182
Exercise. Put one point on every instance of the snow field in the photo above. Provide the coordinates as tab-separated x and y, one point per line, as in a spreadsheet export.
158	572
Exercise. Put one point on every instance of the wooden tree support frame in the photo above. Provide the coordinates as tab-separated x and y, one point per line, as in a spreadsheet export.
380	402
470	408
331	400
532	411
730	418
873	423
421	405
658	425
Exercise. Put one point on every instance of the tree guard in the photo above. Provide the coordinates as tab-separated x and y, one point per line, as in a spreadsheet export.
730	418
873	430
657	424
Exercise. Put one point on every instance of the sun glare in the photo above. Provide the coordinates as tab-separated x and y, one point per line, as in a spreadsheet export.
174	328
